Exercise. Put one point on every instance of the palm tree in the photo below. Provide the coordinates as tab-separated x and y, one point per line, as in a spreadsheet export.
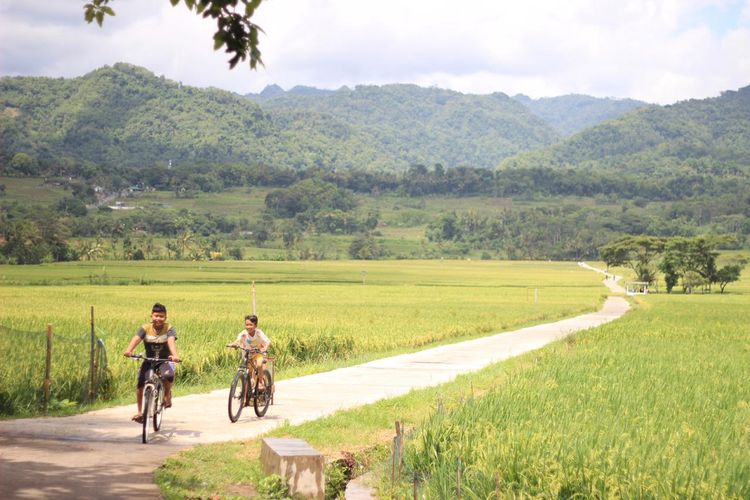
185	241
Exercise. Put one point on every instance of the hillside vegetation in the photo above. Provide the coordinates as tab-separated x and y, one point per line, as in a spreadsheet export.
572	113
126	116
368	173
426	125
695	137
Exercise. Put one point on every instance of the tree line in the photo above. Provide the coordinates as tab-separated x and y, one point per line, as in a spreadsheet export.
691	262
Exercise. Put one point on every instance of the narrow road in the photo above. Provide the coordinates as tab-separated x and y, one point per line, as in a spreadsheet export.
98	454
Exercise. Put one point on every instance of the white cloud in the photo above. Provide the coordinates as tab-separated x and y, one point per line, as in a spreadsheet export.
655	50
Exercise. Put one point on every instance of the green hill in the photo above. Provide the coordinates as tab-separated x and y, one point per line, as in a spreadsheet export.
125	116
424	125
572	113
708	136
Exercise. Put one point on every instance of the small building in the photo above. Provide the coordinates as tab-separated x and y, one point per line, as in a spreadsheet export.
636	288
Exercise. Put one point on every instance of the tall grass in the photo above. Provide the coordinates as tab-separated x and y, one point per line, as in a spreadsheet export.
315	313
23	369
656	405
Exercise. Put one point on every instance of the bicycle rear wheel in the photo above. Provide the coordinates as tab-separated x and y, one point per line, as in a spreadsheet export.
263	398
148	408
158	407
237	392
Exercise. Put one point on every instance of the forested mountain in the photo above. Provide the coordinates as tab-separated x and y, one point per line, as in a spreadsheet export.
304	169
572	113
423	125
694	137
125	116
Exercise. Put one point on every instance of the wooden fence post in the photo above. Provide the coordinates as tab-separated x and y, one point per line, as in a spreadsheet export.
397	452
95	378
48	367
458	479
91	359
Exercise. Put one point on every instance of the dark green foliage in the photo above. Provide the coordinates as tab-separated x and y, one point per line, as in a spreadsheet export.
566	233
639	253
24	243
310	196
125	117
729	274
336	476
234	30
72	206
366	247
416	125
274	487
692	260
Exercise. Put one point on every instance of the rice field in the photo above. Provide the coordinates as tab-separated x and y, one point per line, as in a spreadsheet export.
655	405
316	313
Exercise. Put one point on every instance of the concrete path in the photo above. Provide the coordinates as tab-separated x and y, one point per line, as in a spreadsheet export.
610	280
99	454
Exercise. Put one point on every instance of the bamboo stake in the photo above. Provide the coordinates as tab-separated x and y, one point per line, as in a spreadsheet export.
48	367
91	358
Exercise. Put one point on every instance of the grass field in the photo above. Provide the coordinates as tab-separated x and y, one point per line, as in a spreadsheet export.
25	189
654	405
318	314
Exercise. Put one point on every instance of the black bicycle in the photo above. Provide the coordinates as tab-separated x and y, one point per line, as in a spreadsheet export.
153	396
244	388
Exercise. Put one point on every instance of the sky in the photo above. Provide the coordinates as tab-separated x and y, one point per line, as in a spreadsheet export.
659	51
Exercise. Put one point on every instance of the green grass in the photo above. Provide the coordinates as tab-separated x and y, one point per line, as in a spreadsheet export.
27	189
654	405
238	201
318	314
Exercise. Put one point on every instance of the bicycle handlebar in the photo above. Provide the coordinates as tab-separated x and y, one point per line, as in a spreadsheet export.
144	358
253	350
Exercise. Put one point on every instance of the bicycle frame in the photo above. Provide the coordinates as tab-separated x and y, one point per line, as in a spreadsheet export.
152	403
244	388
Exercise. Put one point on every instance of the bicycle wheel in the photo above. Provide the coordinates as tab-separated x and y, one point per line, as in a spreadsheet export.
158	407
237	393
148	408
263	398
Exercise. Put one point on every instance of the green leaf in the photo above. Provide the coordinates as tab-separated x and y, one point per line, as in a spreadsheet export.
89	14
108	11
250	7
218	40
174	2
99	18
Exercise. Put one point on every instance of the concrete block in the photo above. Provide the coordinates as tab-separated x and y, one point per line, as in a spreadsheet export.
296	461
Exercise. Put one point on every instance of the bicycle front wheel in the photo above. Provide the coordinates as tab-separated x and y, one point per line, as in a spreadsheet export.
148	409
158	407
237	392
263	398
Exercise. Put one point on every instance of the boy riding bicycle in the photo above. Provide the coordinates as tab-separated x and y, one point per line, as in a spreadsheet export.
159	340
253	337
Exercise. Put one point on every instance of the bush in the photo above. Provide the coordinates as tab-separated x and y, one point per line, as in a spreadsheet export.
274	487
337	475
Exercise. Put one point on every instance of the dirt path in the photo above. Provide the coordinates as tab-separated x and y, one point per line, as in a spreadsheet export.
98	454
